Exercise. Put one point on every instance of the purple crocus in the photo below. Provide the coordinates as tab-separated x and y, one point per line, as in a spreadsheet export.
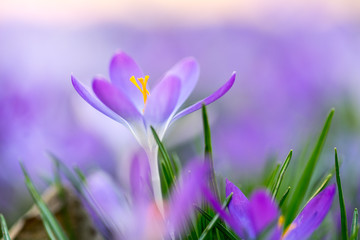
249	218
128	100
134	215
312	215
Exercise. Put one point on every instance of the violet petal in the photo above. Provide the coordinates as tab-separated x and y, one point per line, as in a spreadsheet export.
213	97
312	215
109	201
184	198
95	103
116	100
238	209
188	71
162	101
210	198
262	211
122	68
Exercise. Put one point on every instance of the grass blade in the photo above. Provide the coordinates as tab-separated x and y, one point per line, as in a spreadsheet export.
49	231
214	219
354	226
281	175
269	182
322	186
50	223
80	174
167	168
65	214
284	197
221	227
79	184
162	149
208	152
176	163
4	229
303	183
344	231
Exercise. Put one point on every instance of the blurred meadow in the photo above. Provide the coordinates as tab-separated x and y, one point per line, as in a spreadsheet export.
294	62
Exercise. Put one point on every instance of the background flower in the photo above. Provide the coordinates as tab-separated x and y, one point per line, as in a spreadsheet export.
135	215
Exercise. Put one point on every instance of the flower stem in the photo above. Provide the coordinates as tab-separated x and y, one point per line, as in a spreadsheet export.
155	178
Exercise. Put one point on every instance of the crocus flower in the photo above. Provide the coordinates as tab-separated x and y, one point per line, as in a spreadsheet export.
312	215
249	218
137	217
128	100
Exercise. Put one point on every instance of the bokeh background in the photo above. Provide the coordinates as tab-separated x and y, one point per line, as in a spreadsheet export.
294	61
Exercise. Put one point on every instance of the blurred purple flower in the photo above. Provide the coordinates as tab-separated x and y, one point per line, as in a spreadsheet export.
312	215
30	126
250	217
139	217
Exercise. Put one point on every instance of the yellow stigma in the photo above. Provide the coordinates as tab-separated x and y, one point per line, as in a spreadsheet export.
143	90
281	221
288	229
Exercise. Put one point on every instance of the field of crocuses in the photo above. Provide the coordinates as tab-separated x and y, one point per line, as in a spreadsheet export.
179	120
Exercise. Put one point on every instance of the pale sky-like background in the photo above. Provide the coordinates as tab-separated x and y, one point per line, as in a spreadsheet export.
144	14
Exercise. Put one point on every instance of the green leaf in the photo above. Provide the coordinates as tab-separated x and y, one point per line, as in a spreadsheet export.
176	163
163	181
344	231
322	186
354	225
51	224
214	219
65	214
270	181
281	175
208	152
167	168
284	197
207	132
221	227
4	229
49	231
80	174
303	183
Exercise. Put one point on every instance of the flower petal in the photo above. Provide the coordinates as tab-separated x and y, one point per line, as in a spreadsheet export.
262	211
116	100
109	202
188	72
162	100
238	209
210	198
140	179
184	198
98	105
312	215
122	68
213	97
